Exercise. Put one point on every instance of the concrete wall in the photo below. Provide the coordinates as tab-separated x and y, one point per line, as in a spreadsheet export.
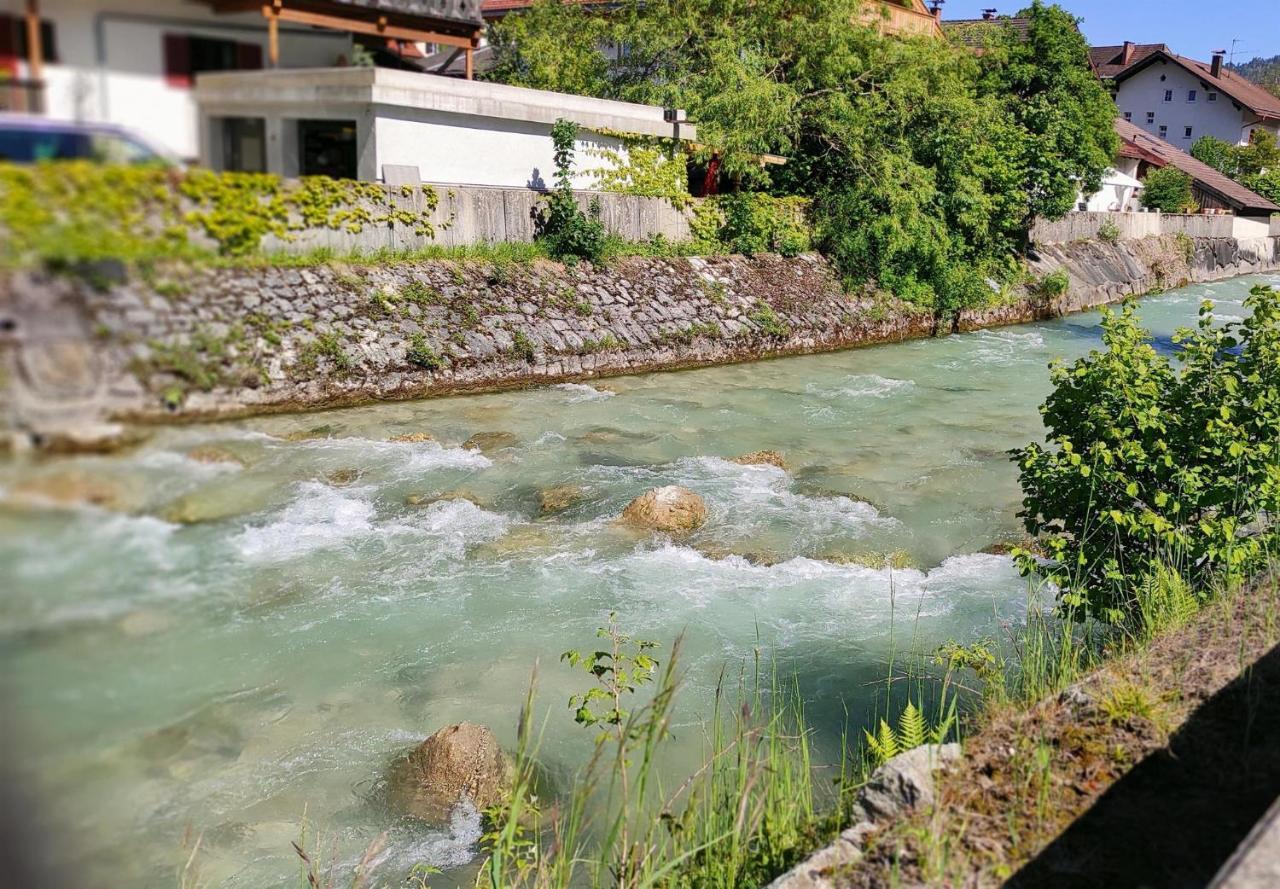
1144	93
111	61
474	215
1133	226
455	131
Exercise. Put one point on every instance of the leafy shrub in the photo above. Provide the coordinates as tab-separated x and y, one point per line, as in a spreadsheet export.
767	320
1147	466
567	232
761	223
1054	284
1168	189
421	354
522	347
1109	232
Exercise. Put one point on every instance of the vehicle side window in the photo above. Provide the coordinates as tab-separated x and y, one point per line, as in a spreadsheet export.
109	148
29	146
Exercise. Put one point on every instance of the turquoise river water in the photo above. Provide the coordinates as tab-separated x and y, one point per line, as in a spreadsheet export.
224	676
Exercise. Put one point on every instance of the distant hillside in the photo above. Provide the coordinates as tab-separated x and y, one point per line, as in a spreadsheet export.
1265	72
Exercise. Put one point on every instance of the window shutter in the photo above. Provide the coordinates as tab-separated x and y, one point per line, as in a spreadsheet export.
250	56
177	60
8	44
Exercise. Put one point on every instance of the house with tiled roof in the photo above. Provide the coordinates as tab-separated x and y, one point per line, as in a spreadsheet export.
1140	152
1179	99
978	34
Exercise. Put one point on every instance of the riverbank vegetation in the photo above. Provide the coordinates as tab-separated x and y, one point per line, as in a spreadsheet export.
1149	503
924	163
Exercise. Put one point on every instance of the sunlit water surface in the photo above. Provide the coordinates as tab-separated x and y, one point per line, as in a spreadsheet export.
222	677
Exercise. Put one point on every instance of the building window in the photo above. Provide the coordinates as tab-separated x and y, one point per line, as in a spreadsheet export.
186	56
1168	95
1128	115
13	43
327	148
1151	117
1164	131
1186	133
1211	97
1191	95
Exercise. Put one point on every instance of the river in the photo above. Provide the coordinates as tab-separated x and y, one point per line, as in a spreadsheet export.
222	677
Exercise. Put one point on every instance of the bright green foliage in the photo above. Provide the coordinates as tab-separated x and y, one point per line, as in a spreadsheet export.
924	163
759	223
1065	116
1168	189
567	232
913	731
1054	284
1259	156
1147	465
70	211
422	355
1219	154
1266	184
619	672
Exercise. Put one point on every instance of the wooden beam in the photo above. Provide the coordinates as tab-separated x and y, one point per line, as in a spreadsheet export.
359	26
273	36
35	49
471	63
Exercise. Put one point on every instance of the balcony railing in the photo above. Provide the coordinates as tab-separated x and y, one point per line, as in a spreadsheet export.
22	95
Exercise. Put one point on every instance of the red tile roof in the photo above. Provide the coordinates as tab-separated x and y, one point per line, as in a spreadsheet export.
1136	142
1109	61
978	33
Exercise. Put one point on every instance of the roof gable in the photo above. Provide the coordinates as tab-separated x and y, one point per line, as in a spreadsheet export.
1245	92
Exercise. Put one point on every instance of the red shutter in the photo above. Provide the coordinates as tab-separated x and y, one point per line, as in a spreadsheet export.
250	56
177	60
8	44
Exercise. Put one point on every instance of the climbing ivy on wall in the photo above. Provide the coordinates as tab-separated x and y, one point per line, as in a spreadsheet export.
75	211
650	167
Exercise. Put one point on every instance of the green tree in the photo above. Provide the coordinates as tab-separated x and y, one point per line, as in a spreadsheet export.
1168	189
1219	154
1146	466
1048	89
1260	155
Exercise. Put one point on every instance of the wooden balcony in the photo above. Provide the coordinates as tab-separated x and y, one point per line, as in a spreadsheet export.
892	18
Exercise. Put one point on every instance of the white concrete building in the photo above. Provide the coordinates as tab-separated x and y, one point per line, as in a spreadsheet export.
358	122
1179	99
134	62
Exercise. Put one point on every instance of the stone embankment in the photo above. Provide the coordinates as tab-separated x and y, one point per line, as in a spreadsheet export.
202	342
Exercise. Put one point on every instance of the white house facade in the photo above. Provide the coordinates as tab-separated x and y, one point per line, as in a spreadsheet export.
1180	100
134	62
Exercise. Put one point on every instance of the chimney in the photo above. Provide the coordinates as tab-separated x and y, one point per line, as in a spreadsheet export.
1127	57
1216	70
936	8
988	14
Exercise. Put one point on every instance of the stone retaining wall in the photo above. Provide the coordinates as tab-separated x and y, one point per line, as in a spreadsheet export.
194	343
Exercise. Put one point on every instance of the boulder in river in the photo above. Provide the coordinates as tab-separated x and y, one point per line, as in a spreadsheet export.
412	437
340	478
89	438
559	498
671	508
213	454
73	487
761	458
459	761
485	442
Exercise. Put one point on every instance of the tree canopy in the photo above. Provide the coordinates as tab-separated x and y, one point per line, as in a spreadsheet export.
925	163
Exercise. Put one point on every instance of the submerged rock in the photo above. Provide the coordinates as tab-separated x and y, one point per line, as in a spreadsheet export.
490	441
213	454
419	498
341	478
72	488
412	437
672	508
898	560
458	762
89	438
144	622
761	458
559	498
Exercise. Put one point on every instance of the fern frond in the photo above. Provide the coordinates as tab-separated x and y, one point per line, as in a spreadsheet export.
912	731
883	744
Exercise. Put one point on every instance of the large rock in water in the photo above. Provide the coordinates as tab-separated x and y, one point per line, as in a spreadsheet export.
672	508
458	762
762	458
